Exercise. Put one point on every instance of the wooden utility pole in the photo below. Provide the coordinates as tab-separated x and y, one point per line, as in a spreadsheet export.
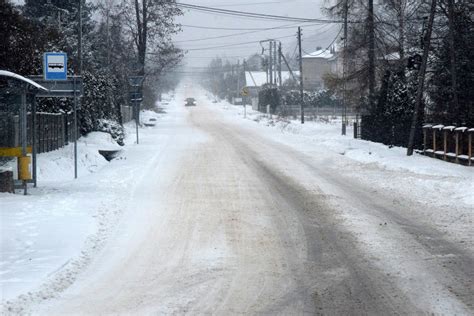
301	75
421	78
280	83
452	56
242	94
270	62
275	63
238	78
371	55
344	56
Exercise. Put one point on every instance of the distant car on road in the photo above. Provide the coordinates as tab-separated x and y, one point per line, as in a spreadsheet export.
190	102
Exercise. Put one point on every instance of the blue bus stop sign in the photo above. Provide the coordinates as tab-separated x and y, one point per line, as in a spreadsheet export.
55	66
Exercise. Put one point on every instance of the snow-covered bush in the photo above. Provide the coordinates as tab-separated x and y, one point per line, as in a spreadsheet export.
113	128
100	109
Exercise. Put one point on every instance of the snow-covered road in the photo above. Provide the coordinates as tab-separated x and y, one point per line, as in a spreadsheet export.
214	214
227	220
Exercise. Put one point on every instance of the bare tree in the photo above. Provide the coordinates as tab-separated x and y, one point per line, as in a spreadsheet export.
151	24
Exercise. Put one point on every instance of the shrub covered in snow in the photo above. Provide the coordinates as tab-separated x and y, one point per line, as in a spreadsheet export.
100	110
113	128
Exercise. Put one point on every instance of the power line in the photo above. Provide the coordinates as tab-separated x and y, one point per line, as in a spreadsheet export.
320	31
212	57
327	48
235	44
242	33
287	26
253	15
246	4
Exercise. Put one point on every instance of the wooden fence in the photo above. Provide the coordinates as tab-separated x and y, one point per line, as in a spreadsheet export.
449	143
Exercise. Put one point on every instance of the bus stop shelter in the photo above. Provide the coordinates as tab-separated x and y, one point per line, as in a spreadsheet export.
21	93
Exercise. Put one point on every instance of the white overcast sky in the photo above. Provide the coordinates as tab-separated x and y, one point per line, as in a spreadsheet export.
313	35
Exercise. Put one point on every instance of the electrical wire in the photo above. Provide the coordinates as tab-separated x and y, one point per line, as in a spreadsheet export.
235	44
324	28
255	15
287	26
329	46
243	33
232	35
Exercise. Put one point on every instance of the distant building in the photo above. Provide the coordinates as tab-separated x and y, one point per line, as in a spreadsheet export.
317	64
255	79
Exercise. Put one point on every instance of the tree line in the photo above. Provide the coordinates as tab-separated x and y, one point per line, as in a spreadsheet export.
381	51
407	62
120	38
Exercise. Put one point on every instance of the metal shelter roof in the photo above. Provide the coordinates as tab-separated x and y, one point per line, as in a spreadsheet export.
13	75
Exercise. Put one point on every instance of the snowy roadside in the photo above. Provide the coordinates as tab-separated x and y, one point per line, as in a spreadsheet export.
440	192
49	236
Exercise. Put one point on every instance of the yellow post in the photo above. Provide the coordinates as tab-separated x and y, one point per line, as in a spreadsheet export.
24	168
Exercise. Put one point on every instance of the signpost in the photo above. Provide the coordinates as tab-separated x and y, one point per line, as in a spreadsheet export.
244	93
136	97
55	66
58	83
69	88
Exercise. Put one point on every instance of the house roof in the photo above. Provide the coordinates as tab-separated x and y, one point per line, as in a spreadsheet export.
259	78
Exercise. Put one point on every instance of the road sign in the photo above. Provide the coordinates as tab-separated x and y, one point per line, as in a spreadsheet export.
55	66
135	81
69	88
244	92
136	96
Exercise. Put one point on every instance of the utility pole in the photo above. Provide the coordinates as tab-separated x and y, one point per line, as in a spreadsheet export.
270	62
238	78
344	57
275	69
279	65
243	96
301	76
452	57
79	56
371	55
421	79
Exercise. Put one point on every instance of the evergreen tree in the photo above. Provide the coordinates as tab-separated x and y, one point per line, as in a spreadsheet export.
442	105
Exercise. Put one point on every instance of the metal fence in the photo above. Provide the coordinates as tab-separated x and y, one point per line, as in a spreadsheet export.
294	110
53	131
